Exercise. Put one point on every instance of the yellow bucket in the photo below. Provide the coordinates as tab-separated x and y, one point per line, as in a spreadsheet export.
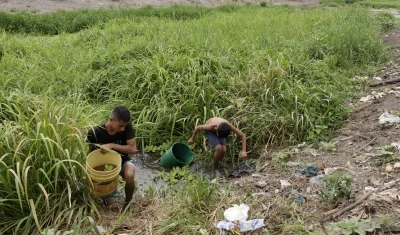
103	182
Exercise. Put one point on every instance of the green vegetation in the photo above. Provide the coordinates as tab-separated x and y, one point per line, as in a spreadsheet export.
279	74
336	186
368	3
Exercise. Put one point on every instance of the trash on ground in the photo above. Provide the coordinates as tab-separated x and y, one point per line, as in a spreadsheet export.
227	225
236	217
251	225
297	196
396	165
242	226
374	96
261	184
369	188
388	118
309	171
396	93
285	184
244	169
317	180
396	145
236	213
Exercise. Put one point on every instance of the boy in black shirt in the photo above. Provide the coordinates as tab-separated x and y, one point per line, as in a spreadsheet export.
117	134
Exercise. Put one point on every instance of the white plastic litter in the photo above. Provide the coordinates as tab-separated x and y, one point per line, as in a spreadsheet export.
285	184
236	213
227	225
396	145
244	226
250	225
374	96
388	118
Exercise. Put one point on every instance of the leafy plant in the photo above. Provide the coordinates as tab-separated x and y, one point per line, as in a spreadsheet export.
386	154
354	226
329	146
282	157
175	175
336	186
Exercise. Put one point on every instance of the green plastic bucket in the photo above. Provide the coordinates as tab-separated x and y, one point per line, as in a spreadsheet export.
178	155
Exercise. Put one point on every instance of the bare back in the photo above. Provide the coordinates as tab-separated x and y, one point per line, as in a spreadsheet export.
214	122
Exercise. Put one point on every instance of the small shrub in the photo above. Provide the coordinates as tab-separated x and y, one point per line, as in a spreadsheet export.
386	20
336	186
354	225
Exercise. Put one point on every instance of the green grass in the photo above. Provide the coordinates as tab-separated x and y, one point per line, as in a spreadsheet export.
174	74
280	74
381	3
42	154
368	3
76	20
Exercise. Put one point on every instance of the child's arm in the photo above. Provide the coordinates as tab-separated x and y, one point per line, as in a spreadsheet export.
243	153
197	129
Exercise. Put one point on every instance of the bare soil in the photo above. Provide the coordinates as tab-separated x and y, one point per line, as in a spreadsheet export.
40	6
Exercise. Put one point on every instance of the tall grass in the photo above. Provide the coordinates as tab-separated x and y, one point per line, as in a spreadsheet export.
368	3
73	21
41	156
279	74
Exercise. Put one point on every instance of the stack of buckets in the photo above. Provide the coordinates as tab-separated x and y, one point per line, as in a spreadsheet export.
103	183
178	155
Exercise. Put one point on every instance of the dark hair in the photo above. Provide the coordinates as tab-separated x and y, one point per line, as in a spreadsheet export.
223	129
121	113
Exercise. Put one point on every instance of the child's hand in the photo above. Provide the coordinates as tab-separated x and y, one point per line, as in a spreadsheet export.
243	154
190	141
105	148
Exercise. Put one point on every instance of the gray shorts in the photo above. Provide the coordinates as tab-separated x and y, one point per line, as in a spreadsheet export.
214	139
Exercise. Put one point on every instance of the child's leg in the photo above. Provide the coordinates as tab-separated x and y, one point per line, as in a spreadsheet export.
219	152
219	145
129	177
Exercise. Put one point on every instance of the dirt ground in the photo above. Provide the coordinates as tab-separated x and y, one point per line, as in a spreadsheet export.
41	6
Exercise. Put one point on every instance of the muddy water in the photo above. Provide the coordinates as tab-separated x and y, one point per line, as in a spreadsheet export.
147	167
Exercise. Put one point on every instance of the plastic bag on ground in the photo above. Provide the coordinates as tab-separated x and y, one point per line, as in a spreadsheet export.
251	225
243	226
236	213
388	118
309	171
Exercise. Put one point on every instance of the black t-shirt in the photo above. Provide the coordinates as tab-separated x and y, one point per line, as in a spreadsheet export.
99	135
